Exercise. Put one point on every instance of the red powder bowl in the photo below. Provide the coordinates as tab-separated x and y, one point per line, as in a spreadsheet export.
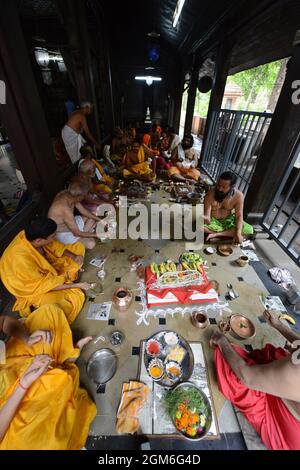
153	348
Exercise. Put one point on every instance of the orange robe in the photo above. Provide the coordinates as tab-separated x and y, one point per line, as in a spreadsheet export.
107	180
55	413
31	277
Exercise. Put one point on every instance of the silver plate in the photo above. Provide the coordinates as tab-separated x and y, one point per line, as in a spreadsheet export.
187	385
102	365
187	364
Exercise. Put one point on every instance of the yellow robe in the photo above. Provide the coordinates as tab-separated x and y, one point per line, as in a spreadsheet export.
55	413
141	168
107	180
30	277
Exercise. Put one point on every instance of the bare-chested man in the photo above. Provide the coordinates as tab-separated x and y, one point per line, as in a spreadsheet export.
223	210
185	161
264	385
72	228
71	133
95	197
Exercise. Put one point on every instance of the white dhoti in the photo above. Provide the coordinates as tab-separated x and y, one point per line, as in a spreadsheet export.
73	142
67	237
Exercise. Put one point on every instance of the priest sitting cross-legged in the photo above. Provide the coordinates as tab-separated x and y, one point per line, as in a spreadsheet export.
42	406
136	163
37	269
223	211
101	181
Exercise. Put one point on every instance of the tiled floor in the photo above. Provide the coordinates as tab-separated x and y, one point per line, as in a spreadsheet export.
245	280
250	282
228	441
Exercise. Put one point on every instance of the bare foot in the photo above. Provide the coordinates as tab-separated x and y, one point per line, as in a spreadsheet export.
83	341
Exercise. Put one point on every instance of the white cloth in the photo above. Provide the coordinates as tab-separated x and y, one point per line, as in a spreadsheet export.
282	276
175	142
106	155
67	237
73	142
184	159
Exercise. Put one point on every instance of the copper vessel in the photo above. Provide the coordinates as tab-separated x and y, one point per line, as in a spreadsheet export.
199	320
122	299
239	326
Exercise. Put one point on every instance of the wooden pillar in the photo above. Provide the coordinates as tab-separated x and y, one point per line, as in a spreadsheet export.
192	96
74	17
22	115
111	123
278	144
217	92
178	100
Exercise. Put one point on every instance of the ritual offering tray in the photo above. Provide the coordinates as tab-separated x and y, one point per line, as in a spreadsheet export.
182	283
134	190
168	358
190	411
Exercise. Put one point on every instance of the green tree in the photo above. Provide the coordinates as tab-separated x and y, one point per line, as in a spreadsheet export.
256	81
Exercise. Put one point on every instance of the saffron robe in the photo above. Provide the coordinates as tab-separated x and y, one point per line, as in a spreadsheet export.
55	413
31	277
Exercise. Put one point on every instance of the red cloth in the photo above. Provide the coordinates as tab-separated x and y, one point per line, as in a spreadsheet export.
269	416
183	294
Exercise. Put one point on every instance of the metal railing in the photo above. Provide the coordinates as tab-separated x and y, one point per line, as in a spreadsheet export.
282	219
233	143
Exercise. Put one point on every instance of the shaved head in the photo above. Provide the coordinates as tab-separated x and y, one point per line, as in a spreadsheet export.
78	188
86	104
86	167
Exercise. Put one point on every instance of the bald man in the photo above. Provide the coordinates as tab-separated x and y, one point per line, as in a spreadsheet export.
71	133
70	228
95	197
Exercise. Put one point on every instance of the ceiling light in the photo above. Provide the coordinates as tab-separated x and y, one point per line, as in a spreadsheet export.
149	68
38	39
149	79
41	56
153	34
177	12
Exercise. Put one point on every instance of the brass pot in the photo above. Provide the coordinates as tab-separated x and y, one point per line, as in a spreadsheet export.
122	299
242	261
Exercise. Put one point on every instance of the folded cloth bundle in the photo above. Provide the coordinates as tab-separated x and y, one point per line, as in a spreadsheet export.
282	276
134	396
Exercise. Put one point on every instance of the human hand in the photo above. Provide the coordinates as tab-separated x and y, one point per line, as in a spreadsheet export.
39	365
216	338
39	335
238	238
272	318
83	285
78	259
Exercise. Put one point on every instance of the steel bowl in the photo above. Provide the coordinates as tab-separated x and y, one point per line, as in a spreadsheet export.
116	338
